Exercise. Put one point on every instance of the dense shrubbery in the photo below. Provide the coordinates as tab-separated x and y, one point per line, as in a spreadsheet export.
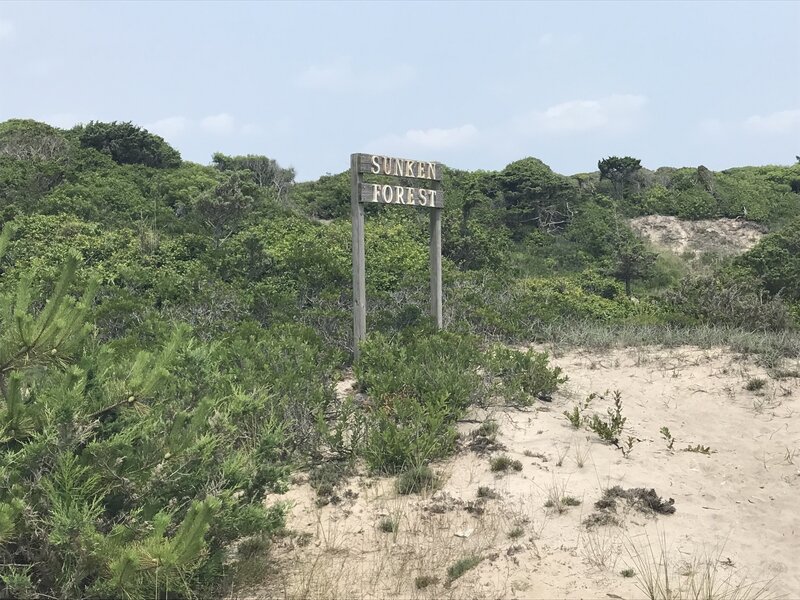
144	423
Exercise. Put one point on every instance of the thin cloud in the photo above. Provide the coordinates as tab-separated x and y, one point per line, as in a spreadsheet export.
781	122
618	113
550	39
424	140
221	124
712	126
169	126
340	76
330	77
6	30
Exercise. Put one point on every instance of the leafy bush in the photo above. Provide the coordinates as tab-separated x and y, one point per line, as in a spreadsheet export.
419	383
523	376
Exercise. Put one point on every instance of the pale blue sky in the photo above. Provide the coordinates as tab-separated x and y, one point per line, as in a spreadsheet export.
474	85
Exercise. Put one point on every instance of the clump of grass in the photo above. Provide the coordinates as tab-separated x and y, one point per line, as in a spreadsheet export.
424	581
417	479
627	572
502	463
558	499
755	384
516	533
461	566
581	454
487	493
388	525
562	454
658	577
561	503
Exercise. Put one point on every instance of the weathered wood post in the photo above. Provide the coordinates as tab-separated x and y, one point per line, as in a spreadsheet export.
382	193
359	274
436	265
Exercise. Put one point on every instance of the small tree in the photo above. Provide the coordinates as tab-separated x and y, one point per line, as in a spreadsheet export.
632	259
128	144
266	172
619	171
223	208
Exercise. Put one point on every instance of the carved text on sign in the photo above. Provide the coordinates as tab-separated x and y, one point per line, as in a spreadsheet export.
401	194
375	164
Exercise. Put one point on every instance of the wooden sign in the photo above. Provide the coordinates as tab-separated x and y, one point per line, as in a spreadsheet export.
379	167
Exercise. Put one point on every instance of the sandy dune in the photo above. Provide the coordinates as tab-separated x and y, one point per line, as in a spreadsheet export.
736	505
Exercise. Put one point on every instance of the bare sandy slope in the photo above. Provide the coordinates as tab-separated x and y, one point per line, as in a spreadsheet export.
737	505
722	236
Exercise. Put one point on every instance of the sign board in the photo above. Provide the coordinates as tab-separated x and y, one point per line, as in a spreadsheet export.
401	194
379	191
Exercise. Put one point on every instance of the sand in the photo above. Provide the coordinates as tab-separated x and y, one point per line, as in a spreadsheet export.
736	508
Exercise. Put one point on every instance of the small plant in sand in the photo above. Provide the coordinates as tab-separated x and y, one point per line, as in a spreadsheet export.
461	566
516	533
558	499
600	547
388	525
699	449
484	439
489	428
627	446
502	463
576	415
627	572
417	479
561	454
660	577
487	493
581	454
667	437
755	384
609	430
424	581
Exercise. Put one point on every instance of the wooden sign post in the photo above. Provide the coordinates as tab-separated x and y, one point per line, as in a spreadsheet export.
397	193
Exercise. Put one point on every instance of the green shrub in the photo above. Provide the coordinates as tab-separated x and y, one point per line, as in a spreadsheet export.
461	566
609	430
523	376
114	463
424	581
419	384
416	479
502	463
755	384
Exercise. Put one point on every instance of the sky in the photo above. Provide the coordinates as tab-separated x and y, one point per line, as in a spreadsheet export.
475	85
